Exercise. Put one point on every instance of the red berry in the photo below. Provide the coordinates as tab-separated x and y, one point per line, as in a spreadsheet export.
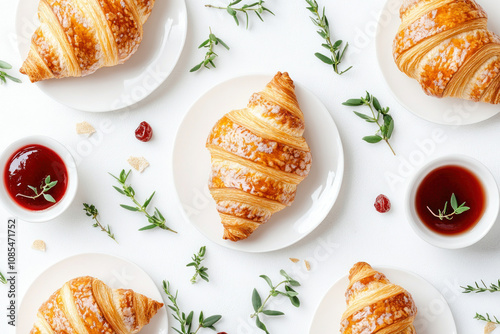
382	204
144	132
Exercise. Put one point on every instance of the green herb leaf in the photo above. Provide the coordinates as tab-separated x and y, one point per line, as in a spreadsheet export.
210	321
324	58
372	139
353	102
273	313
260	325
453	202
49	198
256	300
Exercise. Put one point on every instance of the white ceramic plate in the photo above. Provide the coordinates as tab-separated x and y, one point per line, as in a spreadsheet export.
433	316
119	86
408	92
114	271
315	195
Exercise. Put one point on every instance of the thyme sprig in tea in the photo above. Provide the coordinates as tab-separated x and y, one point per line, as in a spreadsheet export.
457	209
210	56
47	184
256	7
336	49
385	129
155	220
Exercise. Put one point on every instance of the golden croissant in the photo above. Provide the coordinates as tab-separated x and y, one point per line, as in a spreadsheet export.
258	158
77	37
375	305
85	305
447	47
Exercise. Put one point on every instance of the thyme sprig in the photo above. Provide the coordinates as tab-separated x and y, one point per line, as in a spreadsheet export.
3	280
484	288
210	55
457	209
479	289
155	220
487	318
44	188
186	322
385	129
200	270
4	76
91	211
257	7
259	305
336	49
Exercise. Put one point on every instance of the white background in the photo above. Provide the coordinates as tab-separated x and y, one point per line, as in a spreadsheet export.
353	231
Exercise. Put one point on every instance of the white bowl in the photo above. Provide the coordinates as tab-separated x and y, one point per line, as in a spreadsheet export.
58	208
482	227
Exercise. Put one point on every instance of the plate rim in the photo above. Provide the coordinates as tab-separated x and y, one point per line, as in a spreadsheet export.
378	55
102	109
71	257
382	268
339	173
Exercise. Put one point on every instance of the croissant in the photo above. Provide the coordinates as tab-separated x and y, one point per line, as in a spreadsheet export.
77	37
258	158
85	305
375	305
446	46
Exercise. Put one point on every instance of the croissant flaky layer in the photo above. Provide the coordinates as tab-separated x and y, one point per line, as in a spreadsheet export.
447	47
85	305
375	305
258	158
77	37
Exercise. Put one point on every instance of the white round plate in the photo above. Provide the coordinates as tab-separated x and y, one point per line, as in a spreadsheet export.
114	271
433	313
315	195
120	86
407	91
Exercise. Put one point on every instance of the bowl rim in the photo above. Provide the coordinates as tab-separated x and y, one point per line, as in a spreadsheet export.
485	223
54	211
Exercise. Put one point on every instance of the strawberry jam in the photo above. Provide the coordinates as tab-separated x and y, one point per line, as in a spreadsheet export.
26	173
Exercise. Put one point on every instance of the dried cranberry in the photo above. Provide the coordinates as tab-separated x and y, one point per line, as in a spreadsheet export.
144	132
222	333
382	204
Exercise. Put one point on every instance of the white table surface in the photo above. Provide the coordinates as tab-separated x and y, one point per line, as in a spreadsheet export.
353	230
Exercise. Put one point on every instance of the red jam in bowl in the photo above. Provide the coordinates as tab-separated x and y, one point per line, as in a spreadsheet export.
28	168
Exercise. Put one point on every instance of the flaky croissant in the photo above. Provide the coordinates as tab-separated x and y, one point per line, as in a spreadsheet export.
447	47
85	305
77	37
258	158
375	305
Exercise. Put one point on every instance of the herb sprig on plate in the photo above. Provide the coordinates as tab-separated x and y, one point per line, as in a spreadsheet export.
257	7
457	209
378	113
155	220
259	305
186	322
210	55
196	263
91	211
335	49
44	188
4	76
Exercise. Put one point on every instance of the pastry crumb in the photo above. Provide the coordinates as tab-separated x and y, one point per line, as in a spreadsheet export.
308	265
39	245
490	327
84	128
294	260
138	163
